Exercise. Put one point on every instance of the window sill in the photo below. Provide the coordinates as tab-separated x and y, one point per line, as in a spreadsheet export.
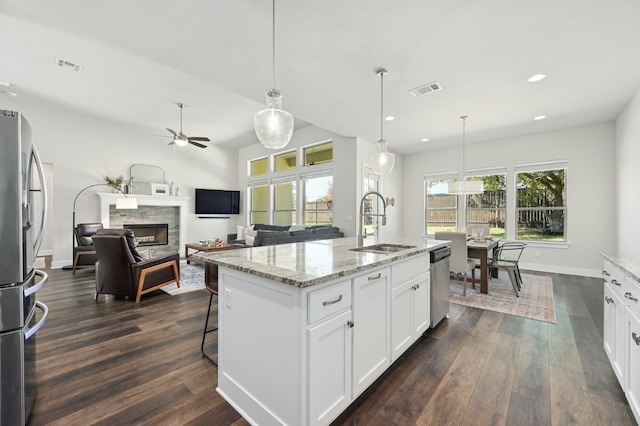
547	244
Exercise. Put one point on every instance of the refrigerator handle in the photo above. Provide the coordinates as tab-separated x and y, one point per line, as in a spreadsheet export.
43	192
45	277
45	313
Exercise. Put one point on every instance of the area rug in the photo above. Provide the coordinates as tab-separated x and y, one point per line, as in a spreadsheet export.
191	279
535	301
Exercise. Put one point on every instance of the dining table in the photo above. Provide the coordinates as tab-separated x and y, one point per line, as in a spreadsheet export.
482	249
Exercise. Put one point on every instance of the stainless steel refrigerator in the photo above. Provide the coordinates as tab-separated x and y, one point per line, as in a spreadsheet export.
21	180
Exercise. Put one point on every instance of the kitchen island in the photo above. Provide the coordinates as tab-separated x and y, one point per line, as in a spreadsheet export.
305	328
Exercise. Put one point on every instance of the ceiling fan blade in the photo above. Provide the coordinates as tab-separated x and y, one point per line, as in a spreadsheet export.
172	132
199	138
199	145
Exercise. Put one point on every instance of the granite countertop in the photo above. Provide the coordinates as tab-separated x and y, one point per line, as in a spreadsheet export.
628	262
313	262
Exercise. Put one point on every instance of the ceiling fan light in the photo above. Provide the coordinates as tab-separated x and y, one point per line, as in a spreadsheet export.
180	141
383	161
273	125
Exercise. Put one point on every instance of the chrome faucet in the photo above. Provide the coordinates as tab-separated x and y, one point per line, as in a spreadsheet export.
361	235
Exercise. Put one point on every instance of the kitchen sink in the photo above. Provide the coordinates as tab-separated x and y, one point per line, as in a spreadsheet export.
383	248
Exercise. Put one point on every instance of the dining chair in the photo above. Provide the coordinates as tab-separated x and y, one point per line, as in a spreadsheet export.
459	263
506	256
211	284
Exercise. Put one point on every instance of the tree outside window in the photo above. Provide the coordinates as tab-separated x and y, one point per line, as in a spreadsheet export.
541	208
489	208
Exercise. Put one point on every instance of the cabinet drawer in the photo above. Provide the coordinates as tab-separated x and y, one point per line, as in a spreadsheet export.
409	269
329	300
614	276
632	295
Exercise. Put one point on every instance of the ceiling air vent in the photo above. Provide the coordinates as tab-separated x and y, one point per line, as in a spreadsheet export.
427	88
68	65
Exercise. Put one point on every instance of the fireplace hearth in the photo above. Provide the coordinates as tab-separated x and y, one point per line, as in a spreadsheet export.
150	234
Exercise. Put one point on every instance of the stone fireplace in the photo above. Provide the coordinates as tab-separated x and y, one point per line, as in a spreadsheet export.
152	210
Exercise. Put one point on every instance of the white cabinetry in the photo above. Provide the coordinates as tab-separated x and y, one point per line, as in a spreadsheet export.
409	313
371	328
622	330
614	319
632	345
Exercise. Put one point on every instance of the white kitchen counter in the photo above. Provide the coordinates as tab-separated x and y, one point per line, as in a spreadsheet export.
313	262
306	328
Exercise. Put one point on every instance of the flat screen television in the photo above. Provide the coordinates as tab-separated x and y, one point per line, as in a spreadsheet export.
217	201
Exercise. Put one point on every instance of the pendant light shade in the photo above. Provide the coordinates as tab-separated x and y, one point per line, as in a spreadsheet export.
465	187
273	125
382	161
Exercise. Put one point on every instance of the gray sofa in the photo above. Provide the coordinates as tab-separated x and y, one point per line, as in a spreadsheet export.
268	235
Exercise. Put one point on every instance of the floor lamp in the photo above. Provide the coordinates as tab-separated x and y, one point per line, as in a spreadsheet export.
121	204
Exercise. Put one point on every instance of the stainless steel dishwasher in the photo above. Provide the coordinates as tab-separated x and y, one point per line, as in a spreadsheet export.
439	259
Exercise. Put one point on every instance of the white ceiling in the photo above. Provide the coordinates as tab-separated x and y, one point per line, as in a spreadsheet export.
142	57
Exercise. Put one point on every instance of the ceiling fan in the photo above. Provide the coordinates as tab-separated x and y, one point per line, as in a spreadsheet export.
181	139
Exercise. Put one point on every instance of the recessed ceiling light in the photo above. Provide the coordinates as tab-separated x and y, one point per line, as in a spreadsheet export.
540	117
536	78
7	93
389	118
424	140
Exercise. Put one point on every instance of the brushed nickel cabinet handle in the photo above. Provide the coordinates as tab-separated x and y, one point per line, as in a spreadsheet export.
608	299
331	302
630	297
375	277
615	282
635	338
350	324
605	273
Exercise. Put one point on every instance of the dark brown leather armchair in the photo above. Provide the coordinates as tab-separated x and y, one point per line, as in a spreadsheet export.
84	254
121	271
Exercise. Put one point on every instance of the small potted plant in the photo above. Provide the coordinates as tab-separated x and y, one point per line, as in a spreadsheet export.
115	182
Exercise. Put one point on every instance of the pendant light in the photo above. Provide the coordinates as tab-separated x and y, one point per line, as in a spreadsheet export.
382	161
464	187
273	125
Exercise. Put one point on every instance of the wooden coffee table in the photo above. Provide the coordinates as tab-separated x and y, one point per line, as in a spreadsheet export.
202	247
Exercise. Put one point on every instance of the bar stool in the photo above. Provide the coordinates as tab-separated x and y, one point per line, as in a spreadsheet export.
211	284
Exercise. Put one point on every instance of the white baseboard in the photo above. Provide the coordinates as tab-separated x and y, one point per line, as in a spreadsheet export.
583	272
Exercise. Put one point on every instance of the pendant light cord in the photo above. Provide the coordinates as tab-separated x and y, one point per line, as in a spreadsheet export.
464	126
381	105
273	41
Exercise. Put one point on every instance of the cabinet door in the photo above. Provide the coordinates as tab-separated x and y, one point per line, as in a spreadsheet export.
401	319
329	384
371	337
610	303
421	305
633	363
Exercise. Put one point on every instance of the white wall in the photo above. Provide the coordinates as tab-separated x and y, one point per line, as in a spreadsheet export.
590	182
83	149
627	178
344	172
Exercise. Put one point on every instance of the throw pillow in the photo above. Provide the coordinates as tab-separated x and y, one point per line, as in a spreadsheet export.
248	239
144	254
240	232
294	228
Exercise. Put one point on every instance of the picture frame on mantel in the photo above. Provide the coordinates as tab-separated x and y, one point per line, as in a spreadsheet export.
160	189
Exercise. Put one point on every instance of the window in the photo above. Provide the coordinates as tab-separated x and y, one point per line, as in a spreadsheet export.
441	208
370	205
489	208
259	166
285	161
540	200
318	199
318	154
259	202
284	200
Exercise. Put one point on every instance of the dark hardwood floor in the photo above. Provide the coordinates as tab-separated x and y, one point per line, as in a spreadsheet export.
118	363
